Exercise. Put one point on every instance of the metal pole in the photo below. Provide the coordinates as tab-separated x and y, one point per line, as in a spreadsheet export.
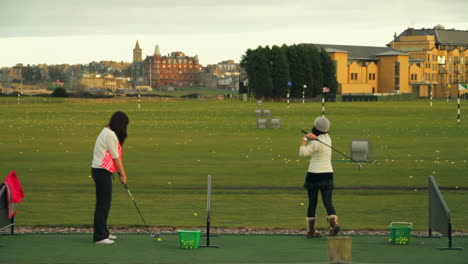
288	98
208	211
303	93
458	110
323	105
208	215
139	100
431	95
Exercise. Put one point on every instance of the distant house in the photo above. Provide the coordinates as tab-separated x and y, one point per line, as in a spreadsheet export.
109	82
57	84
224	75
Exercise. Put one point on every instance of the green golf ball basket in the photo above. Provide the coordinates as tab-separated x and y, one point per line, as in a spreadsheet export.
400	233
189	238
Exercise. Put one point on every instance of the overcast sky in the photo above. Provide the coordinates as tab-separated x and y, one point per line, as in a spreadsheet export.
81	31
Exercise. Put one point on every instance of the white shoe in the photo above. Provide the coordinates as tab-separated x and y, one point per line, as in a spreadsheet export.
112	237
105	241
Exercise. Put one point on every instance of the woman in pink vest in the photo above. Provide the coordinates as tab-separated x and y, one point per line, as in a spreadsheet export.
107	159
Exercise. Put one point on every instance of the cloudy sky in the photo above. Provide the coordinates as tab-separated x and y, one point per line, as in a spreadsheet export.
81	31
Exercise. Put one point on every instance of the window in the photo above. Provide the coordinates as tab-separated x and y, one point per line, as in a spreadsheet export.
371	76
396	70
354	76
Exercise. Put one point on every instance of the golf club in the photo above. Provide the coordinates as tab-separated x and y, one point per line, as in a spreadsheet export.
139	212
359	164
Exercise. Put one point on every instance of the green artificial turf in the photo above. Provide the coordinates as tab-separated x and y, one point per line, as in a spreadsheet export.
257	174
141	248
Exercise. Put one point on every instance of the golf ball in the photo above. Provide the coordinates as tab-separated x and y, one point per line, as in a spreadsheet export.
195	214
302	204
159	239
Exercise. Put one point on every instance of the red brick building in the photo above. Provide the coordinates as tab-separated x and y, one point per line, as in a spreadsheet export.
175	69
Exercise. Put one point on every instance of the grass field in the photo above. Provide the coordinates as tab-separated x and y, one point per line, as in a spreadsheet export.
257	174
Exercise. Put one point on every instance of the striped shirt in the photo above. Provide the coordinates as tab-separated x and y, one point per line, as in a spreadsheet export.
106	149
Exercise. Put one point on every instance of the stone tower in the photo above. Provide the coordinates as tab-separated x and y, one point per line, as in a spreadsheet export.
137	57
157	52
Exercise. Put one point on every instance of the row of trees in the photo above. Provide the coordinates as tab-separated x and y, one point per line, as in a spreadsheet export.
272	72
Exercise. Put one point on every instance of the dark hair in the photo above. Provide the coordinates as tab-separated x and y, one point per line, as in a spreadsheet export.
317	132
118	123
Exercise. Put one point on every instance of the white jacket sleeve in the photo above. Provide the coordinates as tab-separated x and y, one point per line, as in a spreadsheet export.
308	149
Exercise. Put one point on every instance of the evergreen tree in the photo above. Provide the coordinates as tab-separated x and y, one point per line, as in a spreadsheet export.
279	72
30	75
297	72
55	73
59	92
316	78
258	69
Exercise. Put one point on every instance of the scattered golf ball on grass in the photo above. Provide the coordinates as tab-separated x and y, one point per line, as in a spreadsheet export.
159	239
195	214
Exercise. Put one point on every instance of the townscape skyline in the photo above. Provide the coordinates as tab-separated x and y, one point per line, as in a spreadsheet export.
79	32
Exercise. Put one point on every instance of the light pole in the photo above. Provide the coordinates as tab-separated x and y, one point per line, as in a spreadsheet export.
303	93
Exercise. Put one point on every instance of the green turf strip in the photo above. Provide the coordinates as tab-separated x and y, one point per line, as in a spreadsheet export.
141	248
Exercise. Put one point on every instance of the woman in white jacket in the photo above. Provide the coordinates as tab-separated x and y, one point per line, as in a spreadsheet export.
319	177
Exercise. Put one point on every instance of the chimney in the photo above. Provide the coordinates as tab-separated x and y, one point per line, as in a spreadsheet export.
410	32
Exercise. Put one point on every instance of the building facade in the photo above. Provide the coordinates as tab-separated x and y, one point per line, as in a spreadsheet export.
98	81
362	69
224	75
421	61
173	70
442	55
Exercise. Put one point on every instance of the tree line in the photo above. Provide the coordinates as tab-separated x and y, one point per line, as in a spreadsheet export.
273	72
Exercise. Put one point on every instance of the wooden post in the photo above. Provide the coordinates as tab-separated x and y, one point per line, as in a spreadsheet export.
339	249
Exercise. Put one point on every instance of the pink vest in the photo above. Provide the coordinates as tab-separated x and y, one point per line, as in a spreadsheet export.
108	163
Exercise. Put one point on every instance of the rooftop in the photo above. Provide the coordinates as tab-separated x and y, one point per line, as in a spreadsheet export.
361	52
442	36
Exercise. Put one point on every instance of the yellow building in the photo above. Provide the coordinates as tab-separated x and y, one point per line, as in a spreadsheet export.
108	82
362	69
417	61
443	55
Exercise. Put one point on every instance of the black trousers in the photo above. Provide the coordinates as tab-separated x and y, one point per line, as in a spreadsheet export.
326	192
103	182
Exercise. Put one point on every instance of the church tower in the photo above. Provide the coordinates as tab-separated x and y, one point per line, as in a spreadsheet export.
137	57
